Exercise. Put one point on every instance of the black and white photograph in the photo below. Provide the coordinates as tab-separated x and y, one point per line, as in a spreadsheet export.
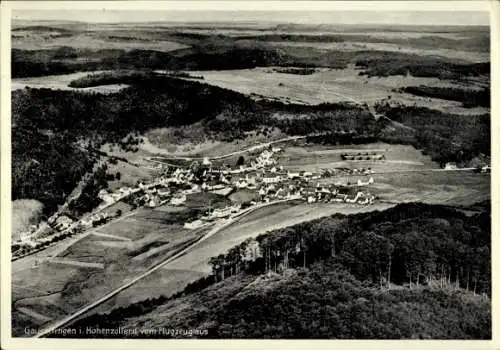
250	172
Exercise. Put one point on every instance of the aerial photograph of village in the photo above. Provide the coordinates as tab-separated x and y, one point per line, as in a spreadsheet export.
230	174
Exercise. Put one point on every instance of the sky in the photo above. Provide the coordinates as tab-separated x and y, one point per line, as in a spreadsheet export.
314	12
333	17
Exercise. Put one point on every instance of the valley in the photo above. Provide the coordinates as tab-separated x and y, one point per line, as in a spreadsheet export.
210	175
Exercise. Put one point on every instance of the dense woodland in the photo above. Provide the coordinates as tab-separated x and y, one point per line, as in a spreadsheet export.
412	271
445	137
88	198
420	67
469	98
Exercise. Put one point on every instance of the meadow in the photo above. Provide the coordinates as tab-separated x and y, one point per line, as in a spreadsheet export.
53	285
174	276
337	85
461	188
61	82
317	157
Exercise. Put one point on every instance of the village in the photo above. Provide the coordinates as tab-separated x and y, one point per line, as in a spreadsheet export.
263	176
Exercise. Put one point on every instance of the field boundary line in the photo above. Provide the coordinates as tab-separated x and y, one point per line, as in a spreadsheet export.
108	296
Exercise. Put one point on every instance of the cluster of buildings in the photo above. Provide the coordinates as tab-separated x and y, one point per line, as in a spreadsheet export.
313	194
214	214
265	159
267	179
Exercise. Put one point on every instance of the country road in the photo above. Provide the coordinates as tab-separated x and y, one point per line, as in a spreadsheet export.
219	226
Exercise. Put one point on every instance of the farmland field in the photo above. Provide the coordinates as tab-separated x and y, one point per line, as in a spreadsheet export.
194	264
389	47
29	40
314	158
60	82
332	85
121	247
443	187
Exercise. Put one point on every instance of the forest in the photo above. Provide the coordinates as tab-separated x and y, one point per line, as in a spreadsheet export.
469	98
430	67
411	271
445	137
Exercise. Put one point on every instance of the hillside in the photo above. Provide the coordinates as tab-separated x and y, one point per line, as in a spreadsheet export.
412	271
52	129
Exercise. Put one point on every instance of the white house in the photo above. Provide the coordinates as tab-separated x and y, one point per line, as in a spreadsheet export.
105	196
178	200
241	184
292	175
102	194
450	166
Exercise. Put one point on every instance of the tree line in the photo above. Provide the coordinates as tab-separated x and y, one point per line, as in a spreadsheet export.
440	245
370	276
469	98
